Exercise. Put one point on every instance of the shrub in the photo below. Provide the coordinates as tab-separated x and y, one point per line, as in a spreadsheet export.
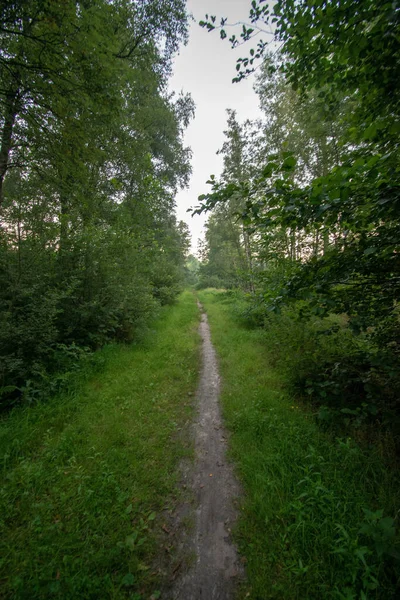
344	374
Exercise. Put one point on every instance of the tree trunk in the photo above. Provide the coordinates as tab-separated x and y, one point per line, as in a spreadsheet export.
10	114
247	247
316	242
293	254
326	240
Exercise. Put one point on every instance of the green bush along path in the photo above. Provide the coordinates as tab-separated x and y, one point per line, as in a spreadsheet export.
319	512
86	474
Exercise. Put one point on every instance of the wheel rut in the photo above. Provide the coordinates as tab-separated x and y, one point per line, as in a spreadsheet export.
216	567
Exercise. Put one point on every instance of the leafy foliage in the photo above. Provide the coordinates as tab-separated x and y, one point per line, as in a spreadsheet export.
323	207
91	157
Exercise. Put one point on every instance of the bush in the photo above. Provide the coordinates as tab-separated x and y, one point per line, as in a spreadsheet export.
346	375
57	311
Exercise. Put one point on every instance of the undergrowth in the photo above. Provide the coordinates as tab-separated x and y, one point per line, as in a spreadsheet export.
351	377
85	475
320	511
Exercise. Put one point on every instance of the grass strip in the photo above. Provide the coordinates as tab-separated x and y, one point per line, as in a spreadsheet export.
85	474
319	513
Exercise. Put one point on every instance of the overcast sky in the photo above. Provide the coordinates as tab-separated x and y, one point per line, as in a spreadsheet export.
205	68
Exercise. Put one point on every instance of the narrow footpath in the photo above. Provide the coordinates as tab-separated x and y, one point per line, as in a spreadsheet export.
216	567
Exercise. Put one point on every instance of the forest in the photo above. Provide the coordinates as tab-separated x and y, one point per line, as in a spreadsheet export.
91	158
103	304
305	216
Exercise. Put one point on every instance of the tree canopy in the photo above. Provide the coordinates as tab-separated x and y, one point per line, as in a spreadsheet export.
91	157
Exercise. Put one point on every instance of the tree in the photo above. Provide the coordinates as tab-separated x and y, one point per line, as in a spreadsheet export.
229	254
91	158
332	53
331	96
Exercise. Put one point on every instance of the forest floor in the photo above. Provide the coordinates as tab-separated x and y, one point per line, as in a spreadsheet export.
122	487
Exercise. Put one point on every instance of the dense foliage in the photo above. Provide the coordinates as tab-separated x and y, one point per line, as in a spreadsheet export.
319	196
91	157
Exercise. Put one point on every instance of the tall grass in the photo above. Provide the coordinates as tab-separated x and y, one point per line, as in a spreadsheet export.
85	475
320	513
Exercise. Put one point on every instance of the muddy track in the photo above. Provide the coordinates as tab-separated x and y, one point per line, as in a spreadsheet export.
216	568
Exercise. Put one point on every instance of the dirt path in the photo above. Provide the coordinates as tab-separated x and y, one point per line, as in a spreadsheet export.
216	567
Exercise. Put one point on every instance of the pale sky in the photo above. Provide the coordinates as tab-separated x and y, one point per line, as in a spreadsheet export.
205	68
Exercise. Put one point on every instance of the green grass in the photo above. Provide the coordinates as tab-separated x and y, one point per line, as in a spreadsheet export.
86	474
319	512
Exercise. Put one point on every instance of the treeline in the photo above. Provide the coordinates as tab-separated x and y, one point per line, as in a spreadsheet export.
91	157
306	215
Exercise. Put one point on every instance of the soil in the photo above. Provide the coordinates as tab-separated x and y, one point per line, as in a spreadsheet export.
216	568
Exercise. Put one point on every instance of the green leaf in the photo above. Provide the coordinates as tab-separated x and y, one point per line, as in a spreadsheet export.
370	132
6	389
130	541
269	169
359	162
395	128
289	163
372	161
128	580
